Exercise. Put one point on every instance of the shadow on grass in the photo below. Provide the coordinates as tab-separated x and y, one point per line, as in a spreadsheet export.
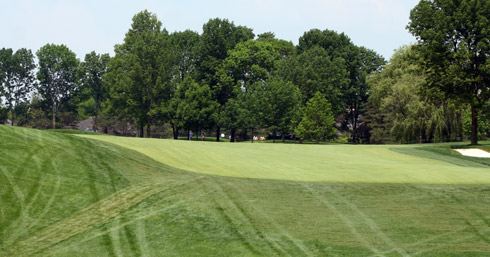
445	152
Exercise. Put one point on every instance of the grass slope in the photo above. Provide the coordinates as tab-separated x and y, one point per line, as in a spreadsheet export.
62	195
331	163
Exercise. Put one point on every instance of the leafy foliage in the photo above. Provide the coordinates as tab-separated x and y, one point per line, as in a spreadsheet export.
317	120
453	40
57	76
400	103
137	74
16	77
91	72
197	110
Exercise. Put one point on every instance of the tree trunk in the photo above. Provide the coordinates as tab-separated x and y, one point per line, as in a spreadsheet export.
283	138
54	117
95	121
252	138
148	127
96	114
13	115
218	133
474	125
273	136
175	132
233	134
142	131
354	127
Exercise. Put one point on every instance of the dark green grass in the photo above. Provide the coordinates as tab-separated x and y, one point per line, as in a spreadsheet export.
62	195
446	153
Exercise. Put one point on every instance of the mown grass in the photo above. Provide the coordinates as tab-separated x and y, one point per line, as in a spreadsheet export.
321	163
64	195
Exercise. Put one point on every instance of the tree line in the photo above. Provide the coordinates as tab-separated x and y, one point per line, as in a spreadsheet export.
227	79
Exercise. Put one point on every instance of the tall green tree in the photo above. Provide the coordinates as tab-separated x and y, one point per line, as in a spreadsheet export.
279	99
183	60
453	40
198	110
17	71
356	95
91	72
138	73
184	50
317	121
57	76
231	118
7	71
314	70
402	109
219	36
358	63
253	61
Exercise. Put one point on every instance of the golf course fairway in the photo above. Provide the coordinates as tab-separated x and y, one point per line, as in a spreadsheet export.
68	193
295	162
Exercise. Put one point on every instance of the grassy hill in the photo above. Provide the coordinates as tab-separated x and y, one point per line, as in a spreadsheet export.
84	195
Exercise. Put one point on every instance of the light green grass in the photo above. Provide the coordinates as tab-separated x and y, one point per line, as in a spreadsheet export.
326	163
64	195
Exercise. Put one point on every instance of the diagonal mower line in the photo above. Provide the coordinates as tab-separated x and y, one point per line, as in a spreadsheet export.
277	226
115	241
21	199
457	240
18	193
480	222
243	218
425	240
46	208
345	219
370	223
122	225
96	214
454	240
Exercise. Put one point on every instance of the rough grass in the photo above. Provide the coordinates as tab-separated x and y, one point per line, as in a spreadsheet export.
63	195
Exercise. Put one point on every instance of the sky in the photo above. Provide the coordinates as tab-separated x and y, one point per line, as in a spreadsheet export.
88	25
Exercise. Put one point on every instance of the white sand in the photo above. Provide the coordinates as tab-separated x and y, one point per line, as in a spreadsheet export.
474	152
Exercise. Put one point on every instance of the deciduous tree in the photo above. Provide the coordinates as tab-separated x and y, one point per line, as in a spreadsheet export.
396	94
17	71
197	110
453	39
219	36
138	73
56	75
278	101
92	86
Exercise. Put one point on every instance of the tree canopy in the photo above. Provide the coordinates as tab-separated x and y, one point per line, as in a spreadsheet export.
57	76
226	80
453	41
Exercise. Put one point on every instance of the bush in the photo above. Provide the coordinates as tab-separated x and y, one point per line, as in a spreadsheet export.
4	115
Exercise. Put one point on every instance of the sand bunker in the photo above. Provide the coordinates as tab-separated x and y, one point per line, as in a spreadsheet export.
474	152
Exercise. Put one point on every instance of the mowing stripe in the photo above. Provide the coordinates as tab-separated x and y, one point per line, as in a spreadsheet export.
297	243
141	238
97	214
346	220
239	216
369	222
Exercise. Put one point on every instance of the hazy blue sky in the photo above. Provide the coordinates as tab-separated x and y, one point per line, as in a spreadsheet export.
98	25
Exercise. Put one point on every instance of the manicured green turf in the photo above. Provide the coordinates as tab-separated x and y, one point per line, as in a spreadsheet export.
326	163
64	195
